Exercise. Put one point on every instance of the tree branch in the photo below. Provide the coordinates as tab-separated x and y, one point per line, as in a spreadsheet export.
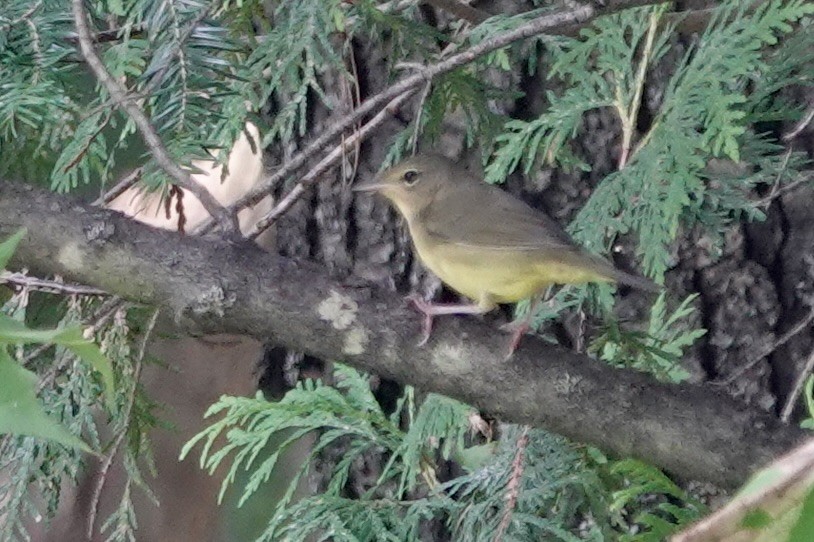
565	22
22	280
550	22
324	165
159	152
217	287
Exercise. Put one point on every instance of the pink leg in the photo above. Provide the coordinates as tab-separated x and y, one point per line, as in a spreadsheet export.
520	327
431	310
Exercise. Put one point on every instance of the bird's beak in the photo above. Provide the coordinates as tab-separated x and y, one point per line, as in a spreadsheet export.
373	185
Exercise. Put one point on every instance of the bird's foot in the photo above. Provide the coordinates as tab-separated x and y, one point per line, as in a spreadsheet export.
424	308
517	328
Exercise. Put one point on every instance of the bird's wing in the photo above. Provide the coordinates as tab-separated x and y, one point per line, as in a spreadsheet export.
482	215
460	217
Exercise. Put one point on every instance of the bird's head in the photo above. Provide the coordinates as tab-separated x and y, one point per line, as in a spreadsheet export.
413	184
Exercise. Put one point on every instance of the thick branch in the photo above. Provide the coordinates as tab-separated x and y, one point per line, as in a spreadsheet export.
212	287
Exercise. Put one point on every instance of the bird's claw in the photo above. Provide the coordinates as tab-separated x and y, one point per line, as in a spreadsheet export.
424	308
517	329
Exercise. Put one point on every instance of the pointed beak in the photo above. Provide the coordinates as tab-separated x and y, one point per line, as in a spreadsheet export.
373	185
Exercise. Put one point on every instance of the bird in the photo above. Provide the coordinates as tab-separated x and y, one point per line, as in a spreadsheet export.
484	243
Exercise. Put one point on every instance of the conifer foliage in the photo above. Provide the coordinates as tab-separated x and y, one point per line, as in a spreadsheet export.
201	69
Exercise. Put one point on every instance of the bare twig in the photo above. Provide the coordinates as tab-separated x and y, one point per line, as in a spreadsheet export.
22	18
99	318
119	94
419	110
534	27
628	115
777	192
513	487
353	93
131	399
36	45
394	6
105	313
800	326
120	188
44	285
311	177
800	126
773	193
104	36
780	492
791	400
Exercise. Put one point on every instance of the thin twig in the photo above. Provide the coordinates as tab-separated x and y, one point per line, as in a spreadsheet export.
783	486
773	192
534	27
131	400
105	313
324	165
629	115
36	47
800	326
802	179
50	286
120	188
99	318
579	344
513	487
354	90
119	94
791	400
27	15
805	121
419	111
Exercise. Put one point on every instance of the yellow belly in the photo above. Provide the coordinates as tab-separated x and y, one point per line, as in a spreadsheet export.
498	275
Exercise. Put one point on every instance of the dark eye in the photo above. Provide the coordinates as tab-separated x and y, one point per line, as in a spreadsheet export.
410	177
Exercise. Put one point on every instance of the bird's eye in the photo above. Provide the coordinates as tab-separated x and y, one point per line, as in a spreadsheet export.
410	177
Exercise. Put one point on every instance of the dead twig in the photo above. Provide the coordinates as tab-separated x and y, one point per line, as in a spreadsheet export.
513	487
784	489
324	165
800	126
120	188
104	313
791	400
45	285
786	188
800	326
629	115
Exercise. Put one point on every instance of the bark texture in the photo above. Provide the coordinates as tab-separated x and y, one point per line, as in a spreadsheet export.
213	287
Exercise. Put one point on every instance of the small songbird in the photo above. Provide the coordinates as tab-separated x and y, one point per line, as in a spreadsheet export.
483	242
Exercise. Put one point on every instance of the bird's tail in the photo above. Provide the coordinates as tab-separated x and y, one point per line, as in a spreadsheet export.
636	281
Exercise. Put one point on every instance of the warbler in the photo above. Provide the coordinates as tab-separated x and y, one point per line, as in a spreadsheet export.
484	243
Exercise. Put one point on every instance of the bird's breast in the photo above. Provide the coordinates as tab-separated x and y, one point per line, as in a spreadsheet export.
499	274
502	276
